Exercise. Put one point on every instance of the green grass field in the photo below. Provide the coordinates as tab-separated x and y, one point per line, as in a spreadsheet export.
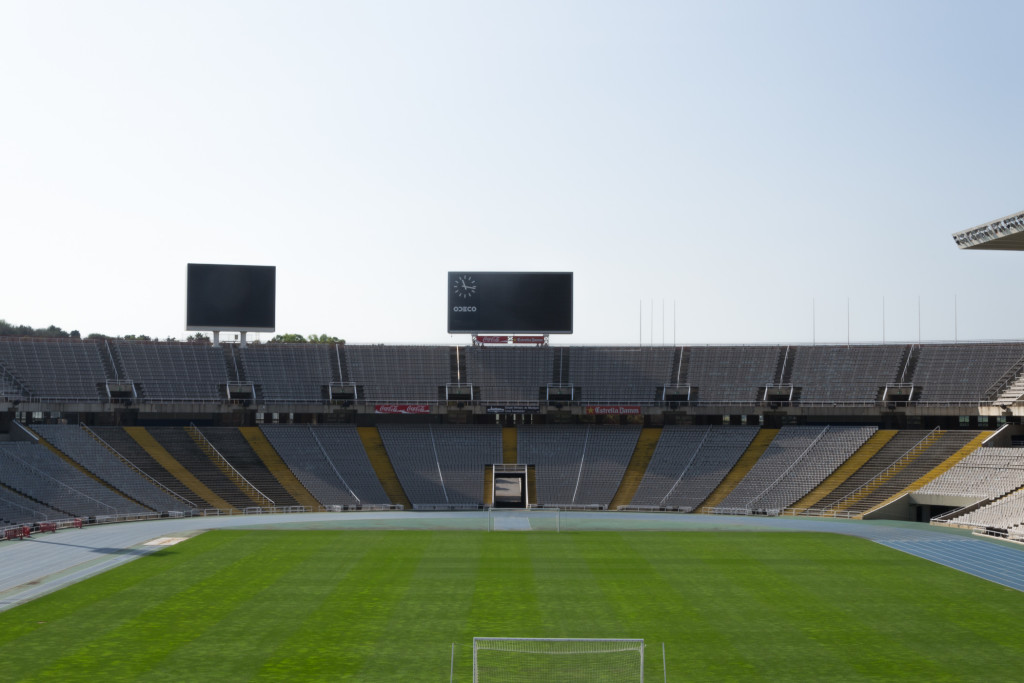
387	606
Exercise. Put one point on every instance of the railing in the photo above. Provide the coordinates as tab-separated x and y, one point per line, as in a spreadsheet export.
817	512
226	466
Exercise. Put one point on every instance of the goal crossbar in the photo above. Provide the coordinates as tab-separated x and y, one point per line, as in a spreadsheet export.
543	659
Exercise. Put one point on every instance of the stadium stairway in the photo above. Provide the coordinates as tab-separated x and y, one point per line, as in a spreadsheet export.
844	471
946	465
509	445
636	468
261	447
750	456
169	463
876	483
381	463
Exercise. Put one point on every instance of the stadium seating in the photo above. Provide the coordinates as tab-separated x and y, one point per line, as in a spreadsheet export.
890	481
577	465
126	446
399	373
230	443
290	373
80	446
732	374
797	460
18	509
688	463
844	374
37	472
53	380
173	372
186	451
892	451
940	371
1005	514
987	473
509	375
615	374
442	465
330	461
52	369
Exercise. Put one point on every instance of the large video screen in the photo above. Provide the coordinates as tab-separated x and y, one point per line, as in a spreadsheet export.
531	303
221	297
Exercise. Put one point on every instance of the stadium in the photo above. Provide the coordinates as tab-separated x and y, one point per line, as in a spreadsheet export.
782	512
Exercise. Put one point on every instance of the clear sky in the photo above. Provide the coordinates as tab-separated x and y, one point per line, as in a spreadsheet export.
758	167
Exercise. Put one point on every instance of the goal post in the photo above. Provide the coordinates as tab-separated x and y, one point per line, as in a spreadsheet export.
524	519
567	660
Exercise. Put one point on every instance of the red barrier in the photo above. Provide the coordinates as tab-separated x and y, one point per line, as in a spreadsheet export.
47	526
26	531
78	523
11	534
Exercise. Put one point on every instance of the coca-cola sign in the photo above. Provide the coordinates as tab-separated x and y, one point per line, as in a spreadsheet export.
402	409
612	410
491	339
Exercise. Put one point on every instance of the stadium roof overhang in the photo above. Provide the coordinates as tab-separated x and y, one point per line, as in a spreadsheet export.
1004	234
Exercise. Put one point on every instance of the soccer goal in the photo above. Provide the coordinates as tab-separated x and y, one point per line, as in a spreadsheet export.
567	660
520	519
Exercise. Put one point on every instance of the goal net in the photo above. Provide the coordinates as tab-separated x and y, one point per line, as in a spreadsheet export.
565	660
524	519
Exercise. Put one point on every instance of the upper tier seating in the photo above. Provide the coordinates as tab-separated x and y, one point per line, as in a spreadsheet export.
620	373
844	373
732	374
509	375
689	463
330	461
798	459
962	373
577	465
167	371
442	464
399	373
52	369
37	472
78	445
292	373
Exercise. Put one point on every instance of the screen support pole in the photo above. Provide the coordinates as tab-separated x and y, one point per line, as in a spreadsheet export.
216	339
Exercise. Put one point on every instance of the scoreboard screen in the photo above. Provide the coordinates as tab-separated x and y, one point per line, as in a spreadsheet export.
528	303
223	297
